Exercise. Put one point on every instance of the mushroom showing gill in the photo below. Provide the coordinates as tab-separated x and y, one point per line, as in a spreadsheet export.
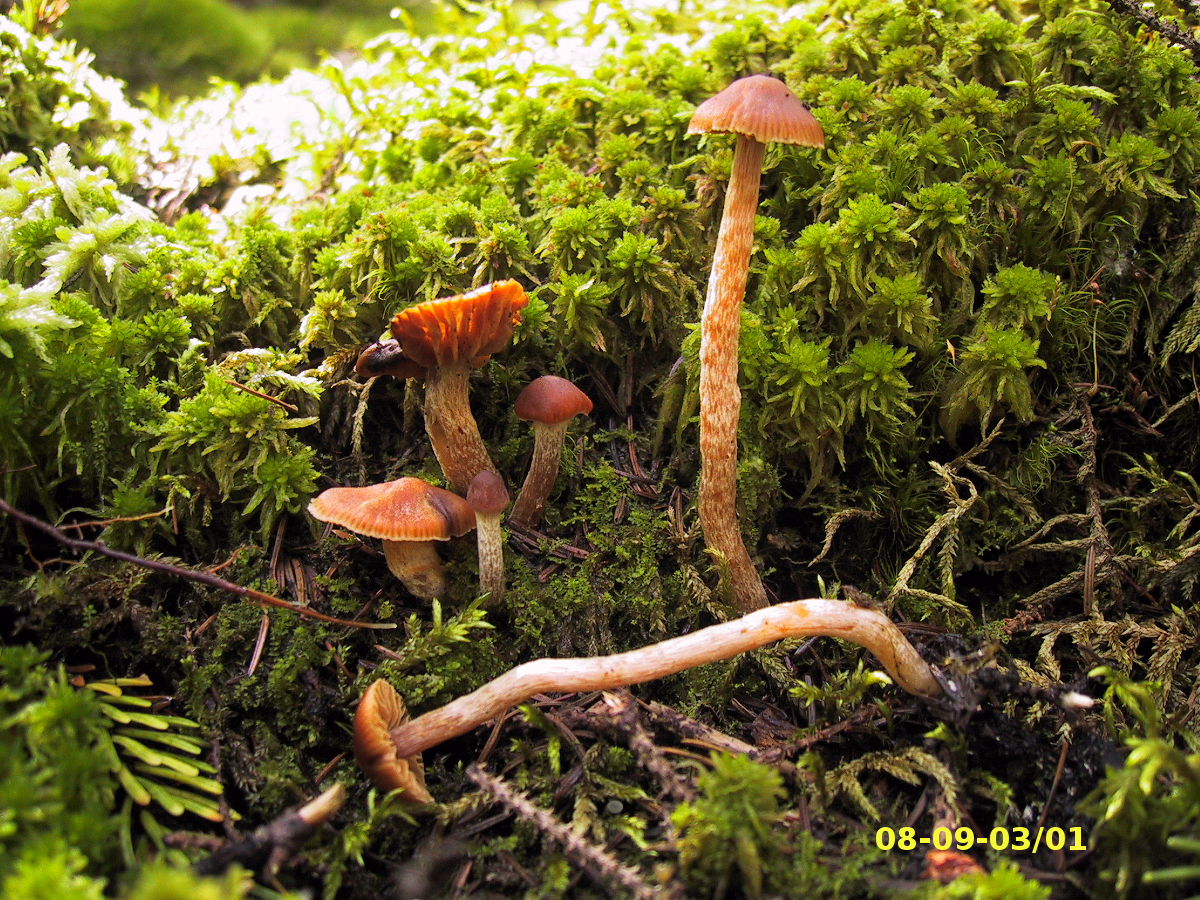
800	618
448	338
380	712
758	109
550	403
409	516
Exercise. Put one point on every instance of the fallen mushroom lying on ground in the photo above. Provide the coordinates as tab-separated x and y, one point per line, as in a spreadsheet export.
800	618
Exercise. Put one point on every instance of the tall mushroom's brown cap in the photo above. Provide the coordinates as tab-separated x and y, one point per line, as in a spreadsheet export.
551	400
760	107
407	509
470	326
380	711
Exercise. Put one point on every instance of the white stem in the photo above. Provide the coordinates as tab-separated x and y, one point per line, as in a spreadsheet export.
800	618
490	540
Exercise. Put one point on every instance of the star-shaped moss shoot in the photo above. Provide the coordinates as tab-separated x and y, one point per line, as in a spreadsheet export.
758	109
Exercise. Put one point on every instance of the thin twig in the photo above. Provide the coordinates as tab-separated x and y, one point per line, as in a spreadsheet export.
204	578
609	872
262	396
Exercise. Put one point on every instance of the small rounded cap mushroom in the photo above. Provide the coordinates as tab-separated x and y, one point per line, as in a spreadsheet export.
381	711
760	107
549	403
487	494
470	326
551	400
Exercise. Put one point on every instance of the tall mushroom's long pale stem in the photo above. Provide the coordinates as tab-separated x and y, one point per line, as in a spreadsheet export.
800	618
451	426
720	397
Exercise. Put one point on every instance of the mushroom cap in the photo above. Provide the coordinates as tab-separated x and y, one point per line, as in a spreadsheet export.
551	400
379	712
386	358
760	107
487	494
470	326
407	509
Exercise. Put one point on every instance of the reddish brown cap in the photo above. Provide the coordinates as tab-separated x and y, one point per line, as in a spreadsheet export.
760	107
407	509
380	711
551	400
487	494
386	358
470	326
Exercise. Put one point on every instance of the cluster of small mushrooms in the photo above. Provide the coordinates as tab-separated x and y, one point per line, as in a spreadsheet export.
443	340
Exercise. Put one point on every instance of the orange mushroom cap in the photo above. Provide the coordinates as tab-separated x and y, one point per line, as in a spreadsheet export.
407	509
551	400
470	326
380	711
760	107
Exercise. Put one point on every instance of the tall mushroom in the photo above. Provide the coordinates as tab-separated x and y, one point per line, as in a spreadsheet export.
550	403
758	109
800	618
408	515
448	338
489	497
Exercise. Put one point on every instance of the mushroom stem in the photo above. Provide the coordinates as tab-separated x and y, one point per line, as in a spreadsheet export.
451	426
800	618
720	397
543	471
418	566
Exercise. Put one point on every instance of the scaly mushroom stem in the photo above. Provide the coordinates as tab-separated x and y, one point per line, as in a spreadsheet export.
720	397
543	471
451	426
800	618
418	566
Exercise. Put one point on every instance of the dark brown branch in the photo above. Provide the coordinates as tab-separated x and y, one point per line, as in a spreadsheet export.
205	578
268	848
1167	28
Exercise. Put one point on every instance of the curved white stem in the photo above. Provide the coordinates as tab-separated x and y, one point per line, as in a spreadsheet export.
800	618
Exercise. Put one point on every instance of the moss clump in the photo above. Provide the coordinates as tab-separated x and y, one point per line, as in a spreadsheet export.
965	372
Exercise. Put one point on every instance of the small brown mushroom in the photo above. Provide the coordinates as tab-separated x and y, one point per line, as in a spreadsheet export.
549	403
758	109
380	712
489	498
386	358
449	337
408	515
800	618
